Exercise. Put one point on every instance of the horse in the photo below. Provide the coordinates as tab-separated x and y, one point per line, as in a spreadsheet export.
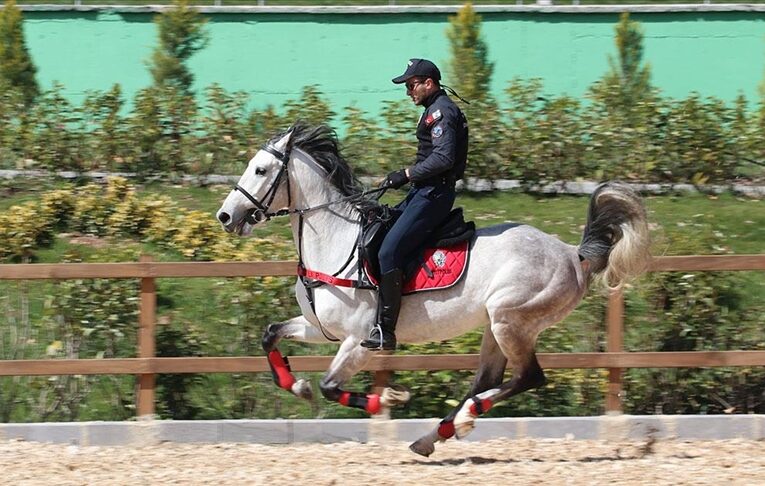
520	280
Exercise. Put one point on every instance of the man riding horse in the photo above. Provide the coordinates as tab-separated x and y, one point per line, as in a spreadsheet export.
442	145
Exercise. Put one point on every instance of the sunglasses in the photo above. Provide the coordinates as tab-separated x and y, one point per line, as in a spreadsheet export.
411	84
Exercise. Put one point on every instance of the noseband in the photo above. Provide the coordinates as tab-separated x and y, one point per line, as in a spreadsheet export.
260	212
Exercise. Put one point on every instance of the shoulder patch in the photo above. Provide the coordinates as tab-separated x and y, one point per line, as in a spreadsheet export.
437	131
436	115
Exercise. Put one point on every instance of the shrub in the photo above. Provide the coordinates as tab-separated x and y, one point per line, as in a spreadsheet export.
16	67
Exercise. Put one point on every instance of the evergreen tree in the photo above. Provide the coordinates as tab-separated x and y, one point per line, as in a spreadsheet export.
469	69
628	73
16	67
470	75
181	34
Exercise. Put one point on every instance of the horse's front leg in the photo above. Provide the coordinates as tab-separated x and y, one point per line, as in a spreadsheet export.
298	329
348	361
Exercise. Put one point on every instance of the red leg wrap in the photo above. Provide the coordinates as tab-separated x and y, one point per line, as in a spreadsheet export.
485	406
446	429
373	404
280	368
370	403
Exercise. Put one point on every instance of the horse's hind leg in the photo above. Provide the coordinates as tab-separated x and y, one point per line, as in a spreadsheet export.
491	369
517	343
298	329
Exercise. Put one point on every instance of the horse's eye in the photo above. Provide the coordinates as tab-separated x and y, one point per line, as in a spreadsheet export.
260	171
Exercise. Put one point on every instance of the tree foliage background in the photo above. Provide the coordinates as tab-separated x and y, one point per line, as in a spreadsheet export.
16	68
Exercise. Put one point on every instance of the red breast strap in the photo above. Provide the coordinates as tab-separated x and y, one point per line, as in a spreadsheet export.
326	278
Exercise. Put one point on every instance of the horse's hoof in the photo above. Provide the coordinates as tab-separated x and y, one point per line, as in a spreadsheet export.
392	396
302	389
423	447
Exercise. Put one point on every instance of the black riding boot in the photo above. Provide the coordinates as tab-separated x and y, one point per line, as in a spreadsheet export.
382	336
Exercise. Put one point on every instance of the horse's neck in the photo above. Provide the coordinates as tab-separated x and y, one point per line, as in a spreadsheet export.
329	234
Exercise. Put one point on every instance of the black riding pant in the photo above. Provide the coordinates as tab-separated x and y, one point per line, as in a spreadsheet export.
421	212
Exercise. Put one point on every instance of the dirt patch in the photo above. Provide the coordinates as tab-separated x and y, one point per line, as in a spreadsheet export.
86	240
549	462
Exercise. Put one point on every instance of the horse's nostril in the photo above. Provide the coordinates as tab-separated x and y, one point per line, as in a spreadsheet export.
224	218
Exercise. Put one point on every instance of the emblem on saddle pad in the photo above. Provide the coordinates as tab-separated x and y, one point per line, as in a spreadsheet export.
439	258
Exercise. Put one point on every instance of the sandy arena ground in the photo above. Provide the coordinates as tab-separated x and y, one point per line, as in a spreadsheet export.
516	462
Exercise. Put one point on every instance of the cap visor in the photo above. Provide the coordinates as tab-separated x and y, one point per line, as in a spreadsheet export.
402	78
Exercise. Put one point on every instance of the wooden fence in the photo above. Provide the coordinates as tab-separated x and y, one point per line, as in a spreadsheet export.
146	366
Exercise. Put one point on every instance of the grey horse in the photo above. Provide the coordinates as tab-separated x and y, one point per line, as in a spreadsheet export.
520	280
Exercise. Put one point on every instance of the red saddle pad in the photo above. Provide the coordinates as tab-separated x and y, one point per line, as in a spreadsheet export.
445	267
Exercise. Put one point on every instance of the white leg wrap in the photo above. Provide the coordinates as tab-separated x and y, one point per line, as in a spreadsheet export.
302	389
464	422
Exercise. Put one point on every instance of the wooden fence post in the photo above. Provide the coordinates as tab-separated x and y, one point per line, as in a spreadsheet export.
146	342
615	344
381	377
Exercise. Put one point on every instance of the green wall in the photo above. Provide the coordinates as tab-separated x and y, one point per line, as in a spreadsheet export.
353	56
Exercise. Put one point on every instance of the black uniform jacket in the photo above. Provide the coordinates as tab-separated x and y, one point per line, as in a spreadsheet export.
442	136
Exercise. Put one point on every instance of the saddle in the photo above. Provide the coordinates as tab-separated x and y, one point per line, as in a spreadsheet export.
446	250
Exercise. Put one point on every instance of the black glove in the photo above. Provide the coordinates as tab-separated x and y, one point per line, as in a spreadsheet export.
396	179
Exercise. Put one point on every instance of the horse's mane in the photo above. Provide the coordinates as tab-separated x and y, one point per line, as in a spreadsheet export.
320	142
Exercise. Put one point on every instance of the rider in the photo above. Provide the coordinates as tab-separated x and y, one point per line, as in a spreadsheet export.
442	143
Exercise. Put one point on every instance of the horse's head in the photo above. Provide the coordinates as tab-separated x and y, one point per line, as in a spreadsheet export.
262	189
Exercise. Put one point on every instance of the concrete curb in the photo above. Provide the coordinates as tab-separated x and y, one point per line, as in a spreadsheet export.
607	427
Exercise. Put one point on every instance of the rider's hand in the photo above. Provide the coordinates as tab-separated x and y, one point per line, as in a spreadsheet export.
396	179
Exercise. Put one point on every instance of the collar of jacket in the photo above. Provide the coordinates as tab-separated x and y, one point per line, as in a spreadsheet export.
430	99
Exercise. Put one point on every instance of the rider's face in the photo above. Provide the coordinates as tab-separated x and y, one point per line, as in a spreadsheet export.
418	89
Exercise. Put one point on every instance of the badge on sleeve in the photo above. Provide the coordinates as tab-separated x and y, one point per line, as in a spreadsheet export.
436	115
437	131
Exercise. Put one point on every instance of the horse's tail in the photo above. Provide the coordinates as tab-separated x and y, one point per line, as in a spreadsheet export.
615	240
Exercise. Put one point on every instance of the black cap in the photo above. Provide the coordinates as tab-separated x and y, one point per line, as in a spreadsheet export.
419	67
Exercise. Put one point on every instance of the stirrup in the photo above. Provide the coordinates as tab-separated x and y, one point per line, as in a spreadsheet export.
378	345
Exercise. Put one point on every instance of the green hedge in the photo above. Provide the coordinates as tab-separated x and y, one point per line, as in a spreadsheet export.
526	135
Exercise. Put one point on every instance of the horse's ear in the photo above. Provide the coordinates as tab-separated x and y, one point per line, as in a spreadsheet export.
284	142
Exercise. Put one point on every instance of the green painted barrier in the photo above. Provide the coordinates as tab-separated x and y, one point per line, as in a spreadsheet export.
353	56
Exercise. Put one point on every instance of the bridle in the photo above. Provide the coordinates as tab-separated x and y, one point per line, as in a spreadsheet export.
260	212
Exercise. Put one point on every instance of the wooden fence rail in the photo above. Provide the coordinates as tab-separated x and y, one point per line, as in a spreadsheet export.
146	366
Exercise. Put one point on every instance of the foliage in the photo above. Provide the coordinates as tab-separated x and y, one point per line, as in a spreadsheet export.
625	121
469	66
174	400
310	107
57	135
627	73
16	67
470	70
106	137
161	129
223	137
181	34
